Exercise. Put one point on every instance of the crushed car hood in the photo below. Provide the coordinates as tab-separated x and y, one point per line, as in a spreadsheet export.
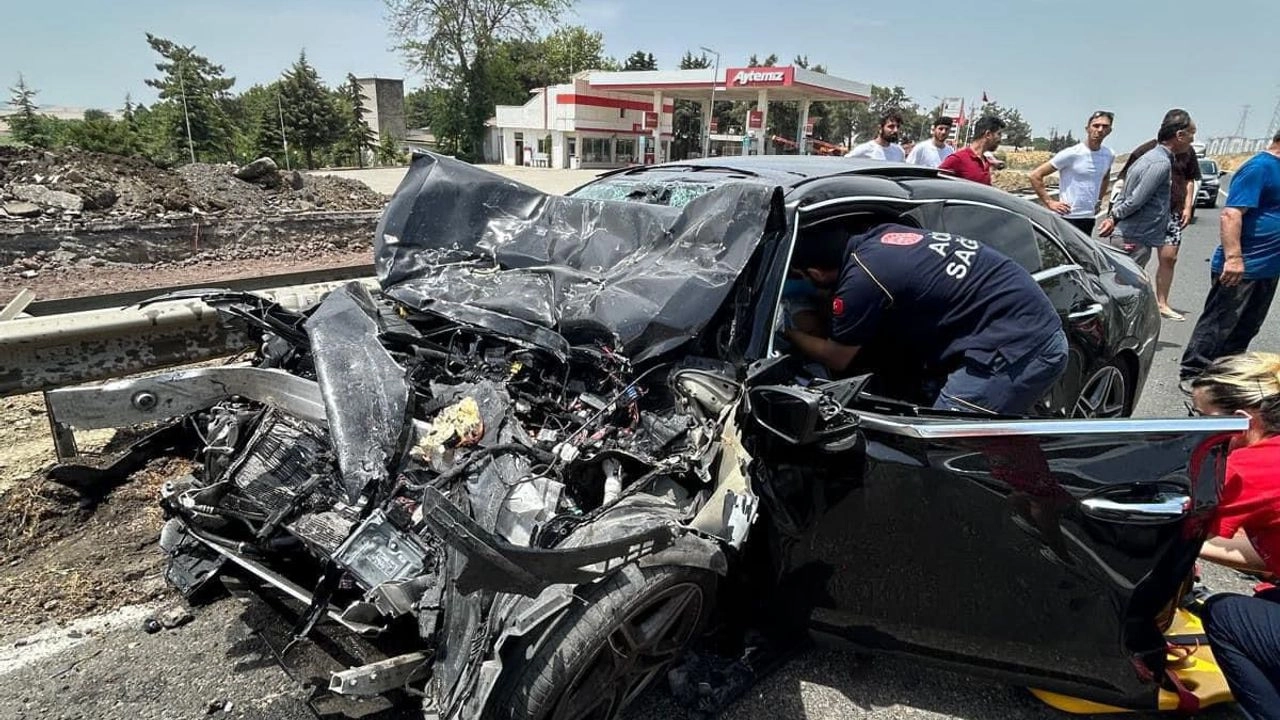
478	248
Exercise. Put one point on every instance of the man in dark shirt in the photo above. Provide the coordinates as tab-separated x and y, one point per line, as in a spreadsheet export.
943	301
1182	197
970	162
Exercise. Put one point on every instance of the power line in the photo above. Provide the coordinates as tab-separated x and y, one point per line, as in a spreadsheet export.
1275	121
1244	117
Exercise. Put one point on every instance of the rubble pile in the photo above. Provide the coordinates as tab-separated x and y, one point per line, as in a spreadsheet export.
70	185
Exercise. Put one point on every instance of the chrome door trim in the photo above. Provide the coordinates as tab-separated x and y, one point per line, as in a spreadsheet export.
875	198
933	429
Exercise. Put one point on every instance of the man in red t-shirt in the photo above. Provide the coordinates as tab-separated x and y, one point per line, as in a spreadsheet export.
970	162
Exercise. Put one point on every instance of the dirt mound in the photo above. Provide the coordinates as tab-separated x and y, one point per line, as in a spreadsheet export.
68	185
1231	163
58	560
1025	159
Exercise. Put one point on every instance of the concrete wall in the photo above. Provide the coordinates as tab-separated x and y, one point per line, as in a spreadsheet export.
383	101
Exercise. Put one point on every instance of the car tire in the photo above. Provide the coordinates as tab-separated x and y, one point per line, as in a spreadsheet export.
1106	393
605	650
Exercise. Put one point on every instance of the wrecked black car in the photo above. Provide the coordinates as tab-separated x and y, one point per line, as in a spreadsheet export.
555	446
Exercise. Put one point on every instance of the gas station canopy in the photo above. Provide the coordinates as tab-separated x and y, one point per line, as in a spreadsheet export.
782	83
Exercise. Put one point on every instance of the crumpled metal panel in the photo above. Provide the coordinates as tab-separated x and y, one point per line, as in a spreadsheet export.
366	392
646	277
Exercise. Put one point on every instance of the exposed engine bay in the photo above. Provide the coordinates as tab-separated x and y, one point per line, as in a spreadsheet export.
506	451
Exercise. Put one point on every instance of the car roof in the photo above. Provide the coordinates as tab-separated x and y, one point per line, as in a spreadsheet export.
783	170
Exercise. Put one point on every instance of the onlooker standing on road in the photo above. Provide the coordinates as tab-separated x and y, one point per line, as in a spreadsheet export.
1245	266
969	162
1084	175
1140	220
884	146
931	152
1182	198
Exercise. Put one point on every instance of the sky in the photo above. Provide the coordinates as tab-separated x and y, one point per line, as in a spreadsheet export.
1054	61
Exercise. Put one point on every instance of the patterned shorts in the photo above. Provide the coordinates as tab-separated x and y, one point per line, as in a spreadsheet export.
1173	233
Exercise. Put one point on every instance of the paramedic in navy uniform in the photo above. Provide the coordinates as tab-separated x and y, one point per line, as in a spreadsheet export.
943	301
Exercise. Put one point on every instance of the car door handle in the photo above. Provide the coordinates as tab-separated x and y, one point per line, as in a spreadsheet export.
1162	507
1094	309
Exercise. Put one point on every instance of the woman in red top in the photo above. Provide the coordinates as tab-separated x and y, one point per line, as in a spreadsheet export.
1246	526
1244	632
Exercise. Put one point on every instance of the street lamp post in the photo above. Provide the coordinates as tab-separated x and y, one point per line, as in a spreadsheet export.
711	113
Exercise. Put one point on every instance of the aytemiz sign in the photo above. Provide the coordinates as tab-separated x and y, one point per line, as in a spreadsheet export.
760	76
755	119
650	119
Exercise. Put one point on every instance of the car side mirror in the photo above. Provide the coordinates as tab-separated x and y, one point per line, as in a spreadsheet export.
1222	173
791	413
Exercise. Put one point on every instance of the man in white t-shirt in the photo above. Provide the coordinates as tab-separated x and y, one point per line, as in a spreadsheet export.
884	146
1084	175
931	152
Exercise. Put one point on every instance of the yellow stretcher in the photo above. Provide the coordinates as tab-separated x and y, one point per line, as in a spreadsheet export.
1193	665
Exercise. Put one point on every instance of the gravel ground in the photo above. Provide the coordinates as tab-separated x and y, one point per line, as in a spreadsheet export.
219	666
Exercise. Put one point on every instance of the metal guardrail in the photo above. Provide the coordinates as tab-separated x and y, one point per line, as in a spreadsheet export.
42	353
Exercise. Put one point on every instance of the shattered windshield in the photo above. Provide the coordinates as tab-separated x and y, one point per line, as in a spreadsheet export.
676	193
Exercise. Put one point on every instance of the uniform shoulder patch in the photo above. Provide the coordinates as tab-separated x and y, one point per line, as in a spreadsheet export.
837	306
901	238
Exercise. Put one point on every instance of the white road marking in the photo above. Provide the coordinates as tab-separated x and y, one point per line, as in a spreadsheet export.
31	649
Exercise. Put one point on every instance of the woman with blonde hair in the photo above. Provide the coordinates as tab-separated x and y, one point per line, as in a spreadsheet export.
1245	631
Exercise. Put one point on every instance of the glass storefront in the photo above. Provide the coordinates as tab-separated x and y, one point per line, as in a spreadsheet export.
597	150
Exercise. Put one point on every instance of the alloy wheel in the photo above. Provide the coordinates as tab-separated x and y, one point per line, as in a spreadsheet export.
1105	395
635	650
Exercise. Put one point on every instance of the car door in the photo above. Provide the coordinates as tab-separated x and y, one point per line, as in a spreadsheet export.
1042	552
1080	302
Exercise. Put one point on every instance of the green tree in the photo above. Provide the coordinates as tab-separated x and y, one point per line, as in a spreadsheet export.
640	60
417	108
1017	131
99	132
26	125
357	136
688	124
198	91
310	118
453	42
573	49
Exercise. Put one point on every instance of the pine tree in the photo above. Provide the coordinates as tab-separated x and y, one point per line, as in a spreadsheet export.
26	125
309	115
357	134
197	90
640	60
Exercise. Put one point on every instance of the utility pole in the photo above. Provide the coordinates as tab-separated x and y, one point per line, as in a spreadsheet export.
283	136
182	83
711	114
1275	122
1244	117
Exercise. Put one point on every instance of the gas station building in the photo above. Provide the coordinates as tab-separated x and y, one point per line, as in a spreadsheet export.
613	119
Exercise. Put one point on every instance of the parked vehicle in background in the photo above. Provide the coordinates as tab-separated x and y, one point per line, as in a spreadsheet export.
1210	183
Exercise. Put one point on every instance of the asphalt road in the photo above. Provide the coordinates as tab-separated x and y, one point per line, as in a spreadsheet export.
218	667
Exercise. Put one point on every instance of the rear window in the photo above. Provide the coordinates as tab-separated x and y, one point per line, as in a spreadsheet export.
670	193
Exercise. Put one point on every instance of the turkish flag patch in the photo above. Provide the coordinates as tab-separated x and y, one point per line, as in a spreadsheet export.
900	238
837	306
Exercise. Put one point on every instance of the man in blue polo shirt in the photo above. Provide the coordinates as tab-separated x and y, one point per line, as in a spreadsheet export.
1245	267
943	301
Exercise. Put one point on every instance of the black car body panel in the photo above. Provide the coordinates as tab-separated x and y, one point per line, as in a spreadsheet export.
649	277
1106	303
548	394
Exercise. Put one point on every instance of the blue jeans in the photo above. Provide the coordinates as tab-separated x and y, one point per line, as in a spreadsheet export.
1244	633
1005	388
